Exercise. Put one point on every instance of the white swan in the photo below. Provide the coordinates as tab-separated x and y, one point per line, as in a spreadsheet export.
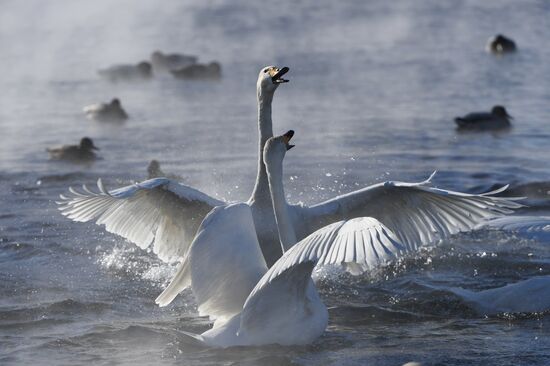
166	214
253	305
282	305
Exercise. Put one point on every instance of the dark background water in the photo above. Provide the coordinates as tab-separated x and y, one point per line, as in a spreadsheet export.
374	88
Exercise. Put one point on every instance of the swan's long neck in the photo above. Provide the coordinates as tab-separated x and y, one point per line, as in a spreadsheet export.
287	235
265	128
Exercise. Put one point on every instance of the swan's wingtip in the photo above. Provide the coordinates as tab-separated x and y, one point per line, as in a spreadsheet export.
429	180
102	188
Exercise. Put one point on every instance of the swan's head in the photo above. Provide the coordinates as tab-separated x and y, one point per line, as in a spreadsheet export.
276	148
269	79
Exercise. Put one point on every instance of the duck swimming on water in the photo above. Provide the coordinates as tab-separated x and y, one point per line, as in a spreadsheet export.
173	61
211	71
497	119
141	71
500	44
154	171
107	112
81	153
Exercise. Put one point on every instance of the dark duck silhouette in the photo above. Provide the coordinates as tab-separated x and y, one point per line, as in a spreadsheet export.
82	153
497	119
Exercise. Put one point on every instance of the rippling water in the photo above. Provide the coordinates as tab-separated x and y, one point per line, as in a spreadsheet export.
374	88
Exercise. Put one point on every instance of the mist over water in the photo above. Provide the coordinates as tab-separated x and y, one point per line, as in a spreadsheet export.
374	87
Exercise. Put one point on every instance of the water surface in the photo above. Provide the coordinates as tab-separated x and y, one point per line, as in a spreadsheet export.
374	88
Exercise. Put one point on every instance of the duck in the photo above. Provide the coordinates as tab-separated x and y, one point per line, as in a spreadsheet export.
500	44
141	71
174	61
81	153
108	112
211	71
253	304
497	119
154	171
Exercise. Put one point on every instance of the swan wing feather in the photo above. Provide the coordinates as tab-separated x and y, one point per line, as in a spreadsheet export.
158	212
417	213
362	240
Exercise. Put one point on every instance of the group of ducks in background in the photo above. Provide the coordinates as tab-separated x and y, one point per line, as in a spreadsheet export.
179	65
187	67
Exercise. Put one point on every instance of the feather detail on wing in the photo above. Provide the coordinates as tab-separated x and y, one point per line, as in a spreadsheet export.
158	211
416	213
363	240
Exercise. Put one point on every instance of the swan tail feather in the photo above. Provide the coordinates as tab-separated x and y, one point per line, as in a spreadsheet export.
181	280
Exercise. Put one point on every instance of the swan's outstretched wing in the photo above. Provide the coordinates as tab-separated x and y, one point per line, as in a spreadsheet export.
363	241
418	214
157	211
224	263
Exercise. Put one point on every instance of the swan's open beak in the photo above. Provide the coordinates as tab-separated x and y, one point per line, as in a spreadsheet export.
286	137
276	78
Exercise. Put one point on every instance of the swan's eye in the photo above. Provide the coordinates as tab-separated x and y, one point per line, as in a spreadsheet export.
265	70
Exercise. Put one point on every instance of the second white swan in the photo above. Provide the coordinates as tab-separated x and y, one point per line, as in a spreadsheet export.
253	305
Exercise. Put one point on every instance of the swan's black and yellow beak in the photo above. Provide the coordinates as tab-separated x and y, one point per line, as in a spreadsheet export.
287	137
277	75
